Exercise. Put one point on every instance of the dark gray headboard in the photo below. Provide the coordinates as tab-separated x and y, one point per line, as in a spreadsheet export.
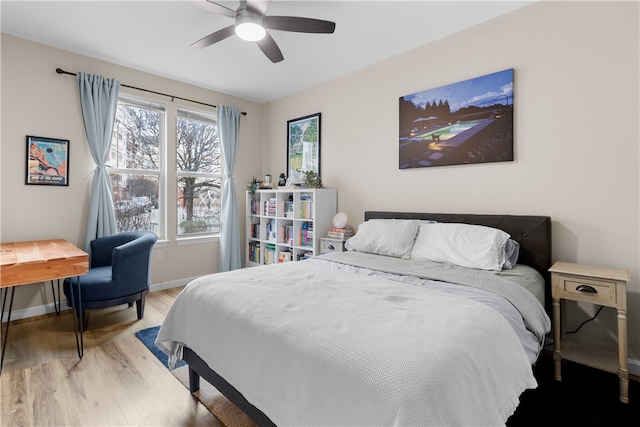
531	231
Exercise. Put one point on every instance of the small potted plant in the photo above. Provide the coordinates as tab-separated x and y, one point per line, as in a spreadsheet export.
252	186
312	180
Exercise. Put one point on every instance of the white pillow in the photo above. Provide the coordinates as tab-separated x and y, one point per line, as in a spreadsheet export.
466	245
389	237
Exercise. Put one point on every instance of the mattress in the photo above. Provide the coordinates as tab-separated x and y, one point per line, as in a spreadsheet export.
364	340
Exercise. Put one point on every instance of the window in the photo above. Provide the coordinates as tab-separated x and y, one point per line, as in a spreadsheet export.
135	161
198	161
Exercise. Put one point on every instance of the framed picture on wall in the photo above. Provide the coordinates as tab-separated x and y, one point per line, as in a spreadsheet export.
47	161
303	147
462	123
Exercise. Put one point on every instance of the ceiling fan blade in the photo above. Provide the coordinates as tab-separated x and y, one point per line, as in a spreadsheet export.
219	9
215	37
258	6
269	47
299	25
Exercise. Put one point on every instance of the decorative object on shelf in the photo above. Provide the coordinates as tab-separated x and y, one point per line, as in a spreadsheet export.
252	186
312	180
303	147
282	181
47	161
340	220
440	132
266	184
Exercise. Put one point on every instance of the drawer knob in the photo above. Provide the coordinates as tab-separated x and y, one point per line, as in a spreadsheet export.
331	247
586	289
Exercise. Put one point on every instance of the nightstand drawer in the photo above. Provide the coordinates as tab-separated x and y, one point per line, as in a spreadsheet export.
595	291
331	245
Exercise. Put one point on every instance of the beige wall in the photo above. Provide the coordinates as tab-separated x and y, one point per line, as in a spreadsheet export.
576	135
37	101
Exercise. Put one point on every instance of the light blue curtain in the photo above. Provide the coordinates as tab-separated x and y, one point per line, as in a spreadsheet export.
230	253
99	99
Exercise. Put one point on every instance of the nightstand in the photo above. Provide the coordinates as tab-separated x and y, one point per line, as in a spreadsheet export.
596	285
331	245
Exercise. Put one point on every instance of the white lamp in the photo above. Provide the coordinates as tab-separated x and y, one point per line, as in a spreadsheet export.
250	28
340	220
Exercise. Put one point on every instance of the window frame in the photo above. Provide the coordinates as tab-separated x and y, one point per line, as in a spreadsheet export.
161	172
204	116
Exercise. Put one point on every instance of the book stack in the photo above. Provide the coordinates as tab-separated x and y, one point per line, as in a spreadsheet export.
255	231
270	254
340	233
287	235
306	206
254	251
270	207
255	207
306	234
288	209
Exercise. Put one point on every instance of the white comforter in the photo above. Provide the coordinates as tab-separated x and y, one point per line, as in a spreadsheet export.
314	346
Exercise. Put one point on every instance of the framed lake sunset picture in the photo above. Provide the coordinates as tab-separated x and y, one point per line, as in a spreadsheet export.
461	123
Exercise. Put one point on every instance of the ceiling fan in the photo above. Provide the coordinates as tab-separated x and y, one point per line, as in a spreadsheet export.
252	24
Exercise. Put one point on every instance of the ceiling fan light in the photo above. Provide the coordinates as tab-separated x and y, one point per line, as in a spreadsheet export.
250	31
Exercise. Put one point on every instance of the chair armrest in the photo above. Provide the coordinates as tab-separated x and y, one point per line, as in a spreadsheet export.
130	263
102	248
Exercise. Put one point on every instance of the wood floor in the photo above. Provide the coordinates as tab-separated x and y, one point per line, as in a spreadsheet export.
118	382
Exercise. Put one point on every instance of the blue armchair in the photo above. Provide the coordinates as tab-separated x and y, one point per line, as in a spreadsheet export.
118	274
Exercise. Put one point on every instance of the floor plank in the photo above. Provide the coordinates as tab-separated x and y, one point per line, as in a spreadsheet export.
118	382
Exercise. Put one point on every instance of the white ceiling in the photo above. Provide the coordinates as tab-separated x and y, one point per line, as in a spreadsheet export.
156	36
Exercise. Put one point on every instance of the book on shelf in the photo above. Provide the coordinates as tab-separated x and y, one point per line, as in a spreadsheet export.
270	207
254	252
255	207
269	254
306	234
288	209
287	235
306	206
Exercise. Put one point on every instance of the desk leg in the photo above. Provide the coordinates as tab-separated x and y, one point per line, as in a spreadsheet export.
6	329
56	302
78	310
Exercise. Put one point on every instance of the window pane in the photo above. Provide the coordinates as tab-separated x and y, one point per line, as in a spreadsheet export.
136	202
198	205
136	138
198	146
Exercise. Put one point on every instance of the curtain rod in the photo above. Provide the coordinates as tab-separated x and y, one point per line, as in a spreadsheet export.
61	71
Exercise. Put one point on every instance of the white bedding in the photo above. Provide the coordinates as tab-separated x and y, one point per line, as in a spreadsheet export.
311	345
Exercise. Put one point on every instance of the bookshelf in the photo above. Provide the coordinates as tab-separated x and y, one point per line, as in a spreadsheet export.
287	224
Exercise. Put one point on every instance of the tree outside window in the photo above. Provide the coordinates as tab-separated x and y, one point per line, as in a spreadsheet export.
198	160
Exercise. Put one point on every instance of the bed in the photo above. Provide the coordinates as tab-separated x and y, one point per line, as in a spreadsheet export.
382	336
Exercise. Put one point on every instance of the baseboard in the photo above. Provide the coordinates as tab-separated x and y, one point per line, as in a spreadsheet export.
47	309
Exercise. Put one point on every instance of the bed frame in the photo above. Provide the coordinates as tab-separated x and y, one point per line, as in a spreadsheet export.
532	232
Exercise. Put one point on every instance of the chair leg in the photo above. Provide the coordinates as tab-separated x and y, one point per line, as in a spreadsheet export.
140	307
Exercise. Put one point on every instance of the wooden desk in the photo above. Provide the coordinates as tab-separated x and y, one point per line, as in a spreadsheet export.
23	263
